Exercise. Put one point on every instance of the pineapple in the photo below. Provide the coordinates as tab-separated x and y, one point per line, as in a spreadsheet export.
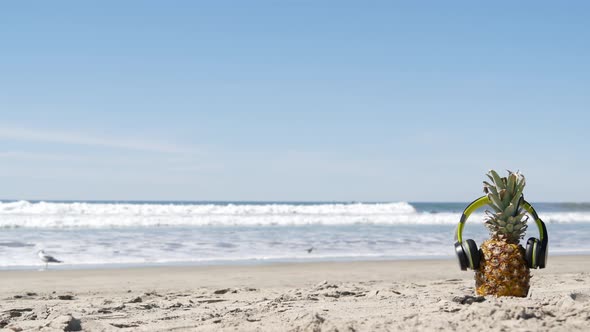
503	270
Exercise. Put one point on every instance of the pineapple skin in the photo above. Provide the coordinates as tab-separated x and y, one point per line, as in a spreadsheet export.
503	270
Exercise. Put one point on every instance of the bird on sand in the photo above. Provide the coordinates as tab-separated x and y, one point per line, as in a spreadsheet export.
47	258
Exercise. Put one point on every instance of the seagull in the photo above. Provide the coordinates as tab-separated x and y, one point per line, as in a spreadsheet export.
47	258
309	250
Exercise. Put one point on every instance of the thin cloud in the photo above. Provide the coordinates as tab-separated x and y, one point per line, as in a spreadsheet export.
120	162
38	156
73	138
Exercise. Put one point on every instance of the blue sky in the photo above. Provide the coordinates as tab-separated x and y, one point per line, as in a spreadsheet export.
292	100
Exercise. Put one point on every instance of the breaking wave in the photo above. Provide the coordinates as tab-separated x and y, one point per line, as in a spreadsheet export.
25	214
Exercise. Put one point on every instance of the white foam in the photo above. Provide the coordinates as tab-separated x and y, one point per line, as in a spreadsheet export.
106	215
25	207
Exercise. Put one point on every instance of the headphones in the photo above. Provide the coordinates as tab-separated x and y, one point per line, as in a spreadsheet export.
469	255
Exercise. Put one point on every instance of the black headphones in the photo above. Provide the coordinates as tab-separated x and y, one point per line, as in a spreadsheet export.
469	255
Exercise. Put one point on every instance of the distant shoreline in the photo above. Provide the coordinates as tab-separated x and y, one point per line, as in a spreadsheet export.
252	263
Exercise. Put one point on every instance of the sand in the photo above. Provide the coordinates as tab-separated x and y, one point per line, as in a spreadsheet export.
422	295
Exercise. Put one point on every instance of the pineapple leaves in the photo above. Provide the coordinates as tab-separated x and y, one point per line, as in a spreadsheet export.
490	177
510	210
497	179
493	206
505	197
511	182
490	187
522	181
521	216
507	221
495	200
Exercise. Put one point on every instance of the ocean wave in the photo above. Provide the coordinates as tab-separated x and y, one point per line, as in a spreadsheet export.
26	207
108	215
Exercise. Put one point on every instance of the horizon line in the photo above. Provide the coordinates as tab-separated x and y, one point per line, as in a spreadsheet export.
255	201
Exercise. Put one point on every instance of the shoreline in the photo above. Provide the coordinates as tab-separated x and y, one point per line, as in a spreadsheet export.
322	296
228	263
249	262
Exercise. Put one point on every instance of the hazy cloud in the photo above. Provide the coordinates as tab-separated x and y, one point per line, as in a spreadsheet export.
77	138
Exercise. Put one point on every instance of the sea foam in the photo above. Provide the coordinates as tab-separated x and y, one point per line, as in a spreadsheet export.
24	214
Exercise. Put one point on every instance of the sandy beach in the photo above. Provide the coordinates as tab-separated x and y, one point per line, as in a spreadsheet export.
337	296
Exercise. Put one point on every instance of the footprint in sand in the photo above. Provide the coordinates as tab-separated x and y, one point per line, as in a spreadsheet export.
580	297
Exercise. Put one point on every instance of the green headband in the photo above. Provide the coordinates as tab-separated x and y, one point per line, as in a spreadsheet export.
484	200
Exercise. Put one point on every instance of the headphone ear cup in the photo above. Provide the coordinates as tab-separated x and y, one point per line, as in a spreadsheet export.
531	256
473	254
461	256
542	255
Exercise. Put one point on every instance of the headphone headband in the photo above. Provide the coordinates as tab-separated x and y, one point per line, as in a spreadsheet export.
484	200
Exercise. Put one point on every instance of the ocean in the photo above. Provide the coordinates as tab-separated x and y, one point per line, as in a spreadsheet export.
110	234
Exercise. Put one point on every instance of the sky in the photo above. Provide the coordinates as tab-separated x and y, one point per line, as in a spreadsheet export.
292	100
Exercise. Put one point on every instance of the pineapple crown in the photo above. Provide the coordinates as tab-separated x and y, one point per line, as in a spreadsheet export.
508	220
